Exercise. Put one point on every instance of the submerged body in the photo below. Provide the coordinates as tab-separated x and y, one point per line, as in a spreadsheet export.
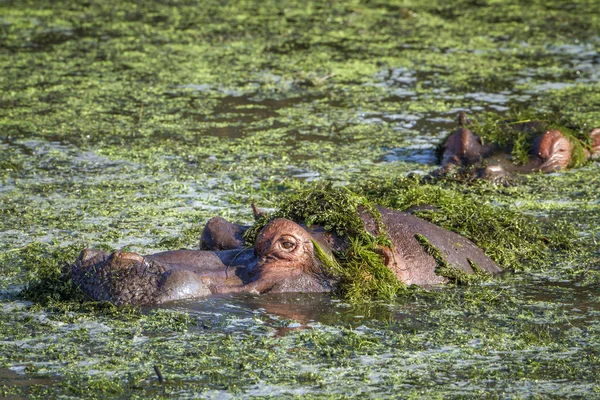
283	260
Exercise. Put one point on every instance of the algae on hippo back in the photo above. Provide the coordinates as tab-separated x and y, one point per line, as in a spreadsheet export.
514	240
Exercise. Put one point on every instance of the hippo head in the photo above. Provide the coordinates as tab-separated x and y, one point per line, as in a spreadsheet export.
286	259
553	150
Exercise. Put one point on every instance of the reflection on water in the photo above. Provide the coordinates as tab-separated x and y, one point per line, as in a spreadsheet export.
11	379
306	309
293	311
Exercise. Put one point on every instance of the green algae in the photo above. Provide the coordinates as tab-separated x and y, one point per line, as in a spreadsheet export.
451	332
336	209
50	278
359	270
444	269
514	240
161	92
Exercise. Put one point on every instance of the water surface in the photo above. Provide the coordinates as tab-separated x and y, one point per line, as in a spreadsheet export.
128	125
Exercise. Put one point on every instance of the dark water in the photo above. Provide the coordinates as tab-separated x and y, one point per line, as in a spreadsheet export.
293	310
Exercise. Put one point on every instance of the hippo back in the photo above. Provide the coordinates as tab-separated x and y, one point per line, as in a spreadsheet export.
410	261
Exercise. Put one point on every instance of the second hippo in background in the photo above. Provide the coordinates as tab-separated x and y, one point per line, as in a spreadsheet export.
551	150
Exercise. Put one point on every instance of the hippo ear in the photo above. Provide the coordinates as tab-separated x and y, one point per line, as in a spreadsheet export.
220	234
462	119
257	212
553	149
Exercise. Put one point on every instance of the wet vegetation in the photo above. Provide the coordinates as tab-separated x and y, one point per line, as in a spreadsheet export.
128	124
359	269
514	240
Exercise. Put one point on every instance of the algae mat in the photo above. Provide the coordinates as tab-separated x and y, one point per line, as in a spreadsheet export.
129	124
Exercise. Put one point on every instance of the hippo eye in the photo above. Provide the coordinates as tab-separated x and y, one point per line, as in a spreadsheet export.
287	243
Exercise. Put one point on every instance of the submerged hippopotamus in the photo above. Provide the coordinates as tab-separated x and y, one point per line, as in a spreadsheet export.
283	260
551	150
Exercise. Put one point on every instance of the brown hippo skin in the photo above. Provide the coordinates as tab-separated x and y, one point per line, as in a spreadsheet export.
412	264
220	234
283	260
595	151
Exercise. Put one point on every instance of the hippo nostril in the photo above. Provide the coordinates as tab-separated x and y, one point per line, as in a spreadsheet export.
89	257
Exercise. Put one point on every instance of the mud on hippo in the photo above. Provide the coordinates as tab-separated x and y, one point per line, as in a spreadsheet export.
284	259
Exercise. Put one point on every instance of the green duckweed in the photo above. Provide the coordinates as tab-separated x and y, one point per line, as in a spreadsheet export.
514	240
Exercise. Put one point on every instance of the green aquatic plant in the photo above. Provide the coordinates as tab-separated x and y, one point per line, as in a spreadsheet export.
334	208
514	240
359	269
49	274
112	77
444	269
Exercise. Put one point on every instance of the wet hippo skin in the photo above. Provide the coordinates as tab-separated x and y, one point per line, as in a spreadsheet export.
282	260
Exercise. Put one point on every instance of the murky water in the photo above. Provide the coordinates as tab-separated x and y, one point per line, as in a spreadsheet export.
303	310
17	378
128	125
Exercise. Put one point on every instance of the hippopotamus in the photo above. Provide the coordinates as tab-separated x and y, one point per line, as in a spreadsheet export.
283	259
551	151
